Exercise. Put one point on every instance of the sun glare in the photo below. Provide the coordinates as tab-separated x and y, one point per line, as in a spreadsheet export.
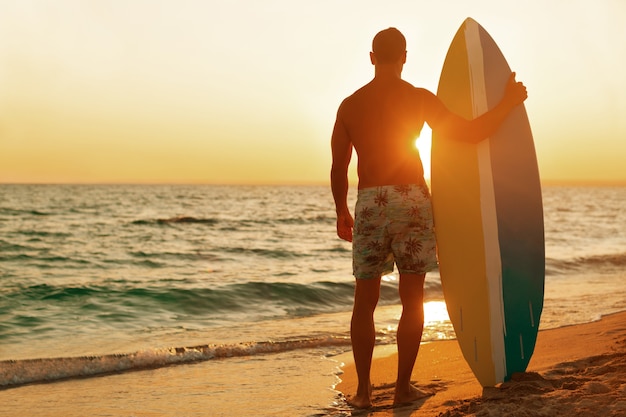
423	144
435	312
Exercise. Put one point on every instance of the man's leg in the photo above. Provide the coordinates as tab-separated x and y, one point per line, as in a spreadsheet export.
409	335
363	336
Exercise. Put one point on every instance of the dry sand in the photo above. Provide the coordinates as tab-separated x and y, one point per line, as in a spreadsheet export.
575	371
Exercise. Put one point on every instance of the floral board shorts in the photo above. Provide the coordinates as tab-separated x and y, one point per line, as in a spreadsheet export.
393	223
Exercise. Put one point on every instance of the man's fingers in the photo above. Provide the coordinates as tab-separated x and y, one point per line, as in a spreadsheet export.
345	233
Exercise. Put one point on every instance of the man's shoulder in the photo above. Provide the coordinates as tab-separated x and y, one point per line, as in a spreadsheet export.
356	97
422	91
370	93
370	89
364	90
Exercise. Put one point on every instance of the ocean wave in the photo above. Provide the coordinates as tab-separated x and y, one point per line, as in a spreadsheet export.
239	223
44	234
21	212
599	263
266	253
11	247
19	372
169	255
45	261
306	220
177	220
271	300
117	305
338	249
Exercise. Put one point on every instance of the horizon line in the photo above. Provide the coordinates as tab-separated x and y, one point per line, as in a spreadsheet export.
546	182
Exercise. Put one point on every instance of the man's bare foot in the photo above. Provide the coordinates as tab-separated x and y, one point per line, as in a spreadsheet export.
363	396
360	402
410	395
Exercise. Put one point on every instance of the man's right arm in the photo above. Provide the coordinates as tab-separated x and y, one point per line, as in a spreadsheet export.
439	118
341	147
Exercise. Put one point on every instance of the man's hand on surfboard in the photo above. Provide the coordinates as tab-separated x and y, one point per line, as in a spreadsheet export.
515	92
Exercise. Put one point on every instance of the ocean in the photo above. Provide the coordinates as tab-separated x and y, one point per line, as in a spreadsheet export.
251	282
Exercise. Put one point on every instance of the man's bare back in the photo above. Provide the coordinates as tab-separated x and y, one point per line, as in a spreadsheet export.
382	120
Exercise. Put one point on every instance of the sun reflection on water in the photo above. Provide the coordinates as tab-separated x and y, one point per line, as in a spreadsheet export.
435	312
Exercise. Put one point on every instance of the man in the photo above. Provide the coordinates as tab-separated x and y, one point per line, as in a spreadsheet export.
393	213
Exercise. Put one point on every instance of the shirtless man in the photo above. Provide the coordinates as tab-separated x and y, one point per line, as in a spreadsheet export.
393	213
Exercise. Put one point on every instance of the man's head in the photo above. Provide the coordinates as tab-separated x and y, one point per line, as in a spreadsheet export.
389	46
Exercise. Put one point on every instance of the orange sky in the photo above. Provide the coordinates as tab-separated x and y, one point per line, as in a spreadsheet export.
246	92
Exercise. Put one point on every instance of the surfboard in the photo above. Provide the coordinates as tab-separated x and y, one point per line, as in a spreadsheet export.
488	216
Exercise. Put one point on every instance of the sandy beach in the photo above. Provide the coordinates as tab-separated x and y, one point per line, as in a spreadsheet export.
575	370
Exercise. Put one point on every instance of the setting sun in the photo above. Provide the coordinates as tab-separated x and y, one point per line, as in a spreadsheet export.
423	145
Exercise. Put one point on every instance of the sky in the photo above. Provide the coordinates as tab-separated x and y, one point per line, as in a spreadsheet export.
246	92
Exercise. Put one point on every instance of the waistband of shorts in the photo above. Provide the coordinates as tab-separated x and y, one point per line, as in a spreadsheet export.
374	189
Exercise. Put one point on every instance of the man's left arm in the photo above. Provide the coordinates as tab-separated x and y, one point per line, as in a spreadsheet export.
474	131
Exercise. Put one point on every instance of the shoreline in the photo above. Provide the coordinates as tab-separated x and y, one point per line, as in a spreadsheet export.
576	369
